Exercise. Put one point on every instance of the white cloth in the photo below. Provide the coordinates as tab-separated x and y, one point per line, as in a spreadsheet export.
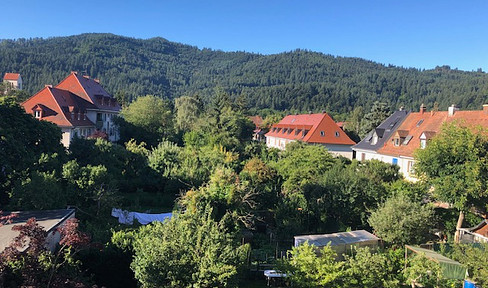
144	218
124	216
127	217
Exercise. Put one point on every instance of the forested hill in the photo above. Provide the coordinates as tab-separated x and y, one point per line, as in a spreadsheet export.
298	80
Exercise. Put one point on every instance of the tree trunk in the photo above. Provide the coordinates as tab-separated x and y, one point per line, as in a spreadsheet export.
458	226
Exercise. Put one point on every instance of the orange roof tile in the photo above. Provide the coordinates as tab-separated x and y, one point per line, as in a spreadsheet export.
429	123
90	90
257	120
11	76
55	106
312	128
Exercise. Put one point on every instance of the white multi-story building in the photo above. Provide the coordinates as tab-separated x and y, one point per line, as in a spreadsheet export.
318	129
78	105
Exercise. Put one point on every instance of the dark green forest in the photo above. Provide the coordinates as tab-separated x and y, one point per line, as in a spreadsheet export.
295	81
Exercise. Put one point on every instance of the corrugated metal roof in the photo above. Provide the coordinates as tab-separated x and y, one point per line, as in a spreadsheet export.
335	239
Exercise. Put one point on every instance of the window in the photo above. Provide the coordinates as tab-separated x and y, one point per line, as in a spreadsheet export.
423	143
405	142
410	167
374	140
420	122
396	141
394	161
322	133
99	116
37	114
337	134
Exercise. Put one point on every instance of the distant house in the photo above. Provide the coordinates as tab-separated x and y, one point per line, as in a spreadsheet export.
477	234
368	147
78	105
318	129
411	132
14	80
342	242
258	133
49	219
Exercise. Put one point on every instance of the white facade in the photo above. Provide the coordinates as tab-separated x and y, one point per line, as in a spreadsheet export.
406	164
16	84
104	121
275	142
69	133
334	149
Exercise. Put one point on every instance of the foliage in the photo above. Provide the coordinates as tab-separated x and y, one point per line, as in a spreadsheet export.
455	163
379	112
301	164
148	119
27	262
190	250
307	268
295	81
475	258
188	110
367	269
23	141
400	221
422	271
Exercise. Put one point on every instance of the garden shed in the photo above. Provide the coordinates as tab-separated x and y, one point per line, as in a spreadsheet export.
342	242
450	269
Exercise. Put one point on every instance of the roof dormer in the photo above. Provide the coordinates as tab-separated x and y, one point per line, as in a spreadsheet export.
425	137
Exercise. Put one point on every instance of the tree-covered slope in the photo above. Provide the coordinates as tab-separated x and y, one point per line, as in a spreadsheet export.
298	80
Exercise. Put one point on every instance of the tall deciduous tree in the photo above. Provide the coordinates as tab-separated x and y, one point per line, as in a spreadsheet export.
23	140
400	221
310	269
455	163
148	119
190	250
188	109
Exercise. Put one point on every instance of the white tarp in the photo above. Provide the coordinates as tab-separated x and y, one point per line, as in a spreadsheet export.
127	217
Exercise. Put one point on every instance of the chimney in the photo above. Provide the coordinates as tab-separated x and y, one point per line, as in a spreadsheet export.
485	109
451	110
401	108
422	108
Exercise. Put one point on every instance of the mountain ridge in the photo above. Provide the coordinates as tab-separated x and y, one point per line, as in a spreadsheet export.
298	80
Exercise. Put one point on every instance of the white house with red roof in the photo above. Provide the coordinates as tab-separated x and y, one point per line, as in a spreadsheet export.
318	129
413	131
14	80
78	105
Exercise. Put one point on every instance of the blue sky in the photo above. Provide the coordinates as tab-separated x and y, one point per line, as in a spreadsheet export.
420	34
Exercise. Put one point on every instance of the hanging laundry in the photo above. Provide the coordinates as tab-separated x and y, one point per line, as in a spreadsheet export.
127	217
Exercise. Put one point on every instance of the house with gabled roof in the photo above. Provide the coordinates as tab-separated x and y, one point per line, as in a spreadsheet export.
367	148
418	128
79	105
319	129
14	79
258	133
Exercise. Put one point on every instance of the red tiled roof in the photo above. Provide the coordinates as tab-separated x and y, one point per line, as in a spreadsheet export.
55	105
319	128
11	76
429	123
257	120
90	90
